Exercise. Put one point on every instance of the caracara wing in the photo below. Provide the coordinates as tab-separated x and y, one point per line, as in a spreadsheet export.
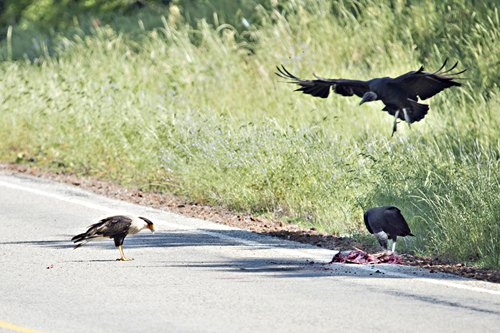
424	84
111	226
320	87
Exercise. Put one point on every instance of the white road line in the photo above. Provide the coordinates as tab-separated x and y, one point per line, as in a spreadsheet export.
172	225
57	196
295	252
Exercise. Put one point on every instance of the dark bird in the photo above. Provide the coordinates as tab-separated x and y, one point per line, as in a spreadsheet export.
117	227
385	223
400	95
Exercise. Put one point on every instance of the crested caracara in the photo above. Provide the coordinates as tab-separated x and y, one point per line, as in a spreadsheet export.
385	223
117	227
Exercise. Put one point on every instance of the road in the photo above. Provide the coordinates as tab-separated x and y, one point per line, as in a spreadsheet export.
198	276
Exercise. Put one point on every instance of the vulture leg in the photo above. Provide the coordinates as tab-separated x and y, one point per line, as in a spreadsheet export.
123	258
394	239
382	239
407	117
395	126
393	246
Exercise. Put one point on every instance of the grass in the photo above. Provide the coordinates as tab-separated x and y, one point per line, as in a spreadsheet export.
197	111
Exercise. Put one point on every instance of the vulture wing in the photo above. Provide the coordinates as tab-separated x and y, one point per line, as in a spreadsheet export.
397	222
320	87
367	224
424	84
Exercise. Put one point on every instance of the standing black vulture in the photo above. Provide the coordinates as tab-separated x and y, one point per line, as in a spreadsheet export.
385	223
117	227
400	95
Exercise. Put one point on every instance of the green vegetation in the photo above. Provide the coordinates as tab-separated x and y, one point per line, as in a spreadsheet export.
195	110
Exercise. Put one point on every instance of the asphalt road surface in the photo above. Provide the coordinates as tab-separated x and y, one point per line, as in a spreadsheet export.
197	276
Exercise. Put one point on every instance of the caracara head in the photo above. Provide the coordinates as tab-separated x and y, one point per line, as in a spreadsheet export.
150	225
369	96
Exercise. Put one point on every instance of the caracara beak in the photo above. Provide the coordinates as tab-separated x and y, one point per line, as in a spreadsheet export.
152	228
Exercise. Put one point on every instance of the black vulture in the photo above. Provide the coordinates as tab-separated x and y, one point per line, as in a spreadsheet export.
117	227
400	95
385	223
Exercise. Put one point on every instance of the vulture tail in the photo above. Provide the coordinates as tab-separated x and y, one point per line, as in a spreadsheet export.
418	111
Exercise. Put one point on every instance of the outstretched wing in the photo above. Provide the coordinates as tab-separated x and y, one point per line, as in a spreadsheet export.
320	87
424	84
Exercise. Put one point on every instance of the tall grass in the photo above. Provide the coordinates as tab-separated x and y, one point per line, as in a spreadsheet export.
198	112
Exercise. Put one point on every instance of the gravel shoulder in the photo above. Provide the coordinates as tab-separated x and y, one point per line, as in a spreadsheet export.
256	224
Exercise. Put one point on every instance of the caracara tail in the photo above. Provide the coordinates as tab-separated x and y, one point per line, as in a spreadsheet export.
94	231
83	239
78	238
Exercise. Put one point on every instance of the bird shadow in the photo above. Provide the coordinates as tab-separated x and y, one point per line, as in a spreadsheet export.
96	260
175	238
244	269
223	238
55	243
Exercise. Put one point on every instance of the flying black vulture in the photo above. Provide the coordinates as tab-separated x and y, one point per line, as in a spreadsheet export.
385	223
400	95
117	227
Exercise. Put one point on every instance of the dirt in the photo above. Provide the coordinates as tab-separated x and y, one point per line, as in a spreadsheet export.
256	224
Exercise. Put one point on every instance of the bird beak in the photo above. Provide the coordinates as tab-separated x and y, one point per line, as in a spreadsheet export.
363	100
152	228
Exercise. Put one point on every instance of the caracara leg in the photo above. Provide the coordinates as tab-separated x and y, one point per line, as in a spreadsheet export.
123	258
395	126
